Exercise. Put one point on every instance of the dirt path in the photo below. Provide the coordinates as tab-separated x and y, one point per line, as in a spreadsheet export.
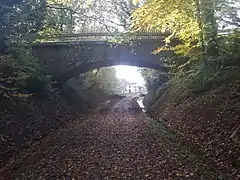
109	146
129	103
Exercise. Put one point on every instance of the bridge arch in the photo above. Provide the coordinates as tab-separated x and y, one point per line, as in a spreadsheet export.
107	63
65	60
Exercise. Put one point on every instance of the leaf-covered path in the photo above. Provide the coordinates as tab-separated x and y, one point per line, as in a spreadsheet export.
110	146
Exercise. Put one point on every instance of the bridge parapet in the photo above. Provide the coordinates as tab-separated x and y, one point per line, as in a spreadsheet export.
105	36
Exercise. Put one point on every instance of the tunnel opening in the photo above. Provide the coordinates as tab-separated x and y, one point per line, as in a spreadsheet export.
111	84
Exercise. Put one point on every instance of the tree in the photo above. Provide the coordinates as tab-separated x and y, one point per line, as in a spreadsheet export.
199	59
20	22
103	80
153	78
192	22
100	15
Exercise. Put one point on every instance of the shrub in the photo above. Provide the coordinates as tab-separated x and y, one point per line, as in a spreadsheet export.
22	75
204	74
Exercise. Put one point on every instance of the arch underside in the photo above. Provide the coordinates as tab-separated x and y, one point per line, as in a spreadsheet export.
96	65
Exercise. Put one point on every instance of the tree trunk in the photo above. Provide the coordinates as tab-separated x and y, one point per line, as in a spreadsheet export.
210	27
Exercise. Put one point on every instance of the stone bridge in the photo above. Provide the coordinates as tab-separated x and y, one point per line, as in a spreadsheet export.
71	57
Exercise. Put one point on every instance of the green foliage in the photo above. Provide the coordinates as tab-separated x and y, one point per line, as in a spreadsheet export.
103	79
229	45
177	17
21	75
203	57
153	78
204	76
20	22
59	19
96	84
225	67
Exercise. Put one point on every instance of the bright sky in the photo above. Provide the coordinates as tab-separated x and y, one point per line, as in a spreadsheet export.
130	74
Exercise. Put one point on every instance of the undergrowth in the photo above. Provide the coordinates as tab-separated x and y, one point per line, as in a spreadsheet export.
22	76
205	74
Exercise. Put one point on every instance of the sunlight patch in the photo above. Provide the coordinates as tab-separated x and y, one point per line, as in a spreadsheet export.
130	74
